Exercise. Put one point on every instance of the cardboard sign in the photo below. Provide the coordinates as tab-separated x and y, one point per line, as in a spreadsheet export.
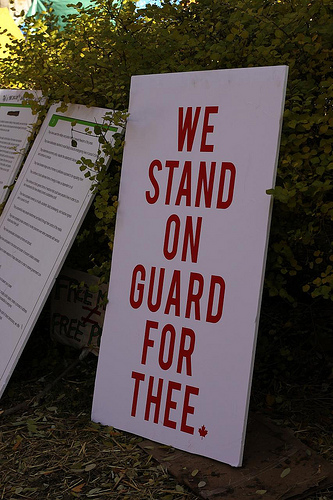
40	221
77	314
16	120
179	335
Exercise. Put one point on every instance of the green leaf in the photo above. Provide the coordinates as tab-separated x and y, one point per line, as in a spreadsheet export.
32	426
285	472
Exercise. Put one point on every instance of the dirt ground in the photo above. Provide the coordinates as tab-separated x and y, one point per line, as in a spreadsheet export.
49	448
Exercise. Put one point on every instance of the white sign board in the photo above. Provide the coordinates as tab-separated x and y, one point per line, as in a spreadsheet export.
179	333
16	120
40	221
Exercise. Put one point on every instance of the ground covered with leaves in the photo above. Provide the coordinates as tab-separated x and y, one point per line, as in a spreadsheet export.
50	449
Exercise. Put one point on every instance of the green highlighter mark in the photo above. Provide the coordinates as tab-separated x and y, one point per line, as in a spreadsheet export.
55	118
13	105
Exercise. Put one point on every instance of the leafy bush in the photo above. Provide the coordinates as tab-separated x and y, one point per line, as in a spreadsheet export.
91	60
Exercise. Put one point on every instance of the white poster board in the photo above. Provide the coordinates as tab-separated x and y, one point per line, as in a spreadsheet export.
16	120
179	334
40	221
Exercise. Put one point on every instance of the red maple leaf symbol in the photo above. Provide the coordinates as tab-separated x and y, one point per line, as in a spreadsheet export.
203	431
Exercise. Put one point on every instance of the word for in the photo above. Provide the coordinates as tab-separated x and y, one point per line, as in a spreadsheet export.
166	355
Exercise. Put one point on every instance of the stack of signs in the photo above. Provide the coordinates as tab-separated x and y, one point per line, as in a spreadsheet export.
40	221
16	120
77	313
179	334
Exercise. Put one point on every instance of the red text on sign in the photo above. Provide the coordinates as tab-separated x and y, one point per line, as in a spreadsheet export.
155	395
161	291
167	340
188	124
191	240
209	184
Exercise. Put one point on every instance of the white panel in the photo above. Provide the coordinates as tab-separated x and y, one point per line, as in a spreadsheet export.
179	372
40	221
